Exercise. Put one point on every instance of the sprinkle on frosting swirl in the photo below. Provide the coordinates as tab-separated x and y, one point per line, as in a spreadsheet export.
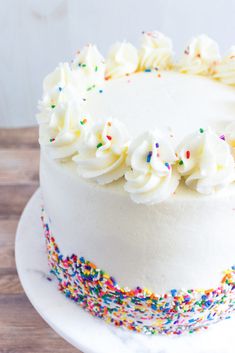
90	65
156	51
65	131
151	178
103	153
200	56
205	161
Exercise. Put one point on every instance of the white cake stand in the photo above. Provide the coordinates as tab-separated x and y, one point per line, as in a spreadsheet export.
89	334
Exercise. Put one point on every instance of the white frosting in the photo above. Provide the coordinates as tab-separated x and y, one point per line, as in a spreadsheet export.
122	60
156	51
151	178
65	131
89	64
229	136
183	242
225	70
206	162
144	101
103	153
61	86
200	56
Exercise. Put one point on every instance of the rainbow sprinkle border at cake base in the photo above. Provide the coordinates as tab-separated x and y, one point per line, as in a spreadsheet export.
175	312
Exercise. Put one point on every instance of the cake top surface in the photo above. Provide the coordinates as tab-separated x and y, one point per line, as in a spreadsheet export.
142	116
175	103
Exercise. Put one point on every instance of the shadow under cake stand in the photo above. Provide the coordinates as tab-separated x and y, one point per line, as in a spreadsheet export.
89	334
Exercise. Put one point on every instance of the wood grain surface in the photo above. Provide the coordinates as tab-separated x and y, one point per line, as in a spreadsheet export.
22	330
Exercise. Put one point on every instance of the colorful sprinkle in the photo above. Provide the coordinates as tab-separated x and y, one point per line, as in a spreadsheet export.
175	312
147	70
90	88
109	137
100	91
149	156
222	137
157	145
99	145
181	162
52	140
53	106
84	121
96	68
188	154
201	130
168	165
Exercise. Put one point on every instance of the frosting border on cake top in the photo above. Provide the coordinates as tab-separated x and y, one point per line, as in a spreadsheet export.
104	151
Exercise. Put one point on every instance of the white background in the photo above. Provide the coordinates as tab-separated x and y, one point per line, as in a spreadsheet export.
37	34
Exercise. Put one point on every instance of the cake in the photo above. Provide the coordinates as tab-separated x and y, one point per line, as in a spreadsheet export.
137	177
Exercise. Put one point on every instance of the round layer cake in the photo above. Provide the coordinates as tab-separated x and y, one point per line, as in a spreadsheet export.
137	176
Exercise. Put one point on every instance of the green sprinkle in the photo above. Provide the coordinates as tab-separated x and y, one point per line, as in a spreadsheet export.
53	106
201	130
90	88
99	145
181	162
83	65
96	68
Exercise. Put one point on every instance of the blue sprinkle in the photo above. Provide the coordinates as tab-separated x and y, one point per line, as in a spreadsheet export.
157	145
100	91
233	267
147	70
149	155
173	292
60	89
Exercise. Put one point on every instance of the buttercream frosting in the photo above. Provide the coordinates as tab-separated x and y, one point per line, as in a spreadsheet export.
151	177
65	131
122	60
205	161
156	51
200	56
102	155
225	70
90	66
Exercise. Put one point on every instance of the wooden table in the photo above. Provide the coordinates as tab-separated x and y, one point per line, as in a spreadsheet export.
21	329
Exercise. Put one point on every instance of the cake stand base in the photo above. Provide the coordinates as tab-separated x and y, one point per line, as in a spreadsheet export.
89	334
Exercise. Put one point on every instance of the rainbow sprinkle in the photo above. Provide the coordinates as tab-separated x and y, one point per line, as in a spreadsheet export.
140	310
149	156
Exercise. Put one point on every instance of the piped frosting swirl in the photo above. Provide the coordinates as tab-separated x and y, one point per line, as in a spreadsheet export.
151	177
102	156
205	161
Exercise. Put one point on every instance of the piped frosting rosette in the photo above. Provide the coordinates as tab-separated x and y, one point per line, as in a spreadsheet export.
225	70
102	156
89	65
200	56
65	131
156	51
122	60
152	176
62	121
205	161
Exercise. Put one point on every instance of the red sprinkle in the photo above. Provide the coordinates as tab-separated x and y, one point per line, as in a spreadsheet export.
109	137
187	154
